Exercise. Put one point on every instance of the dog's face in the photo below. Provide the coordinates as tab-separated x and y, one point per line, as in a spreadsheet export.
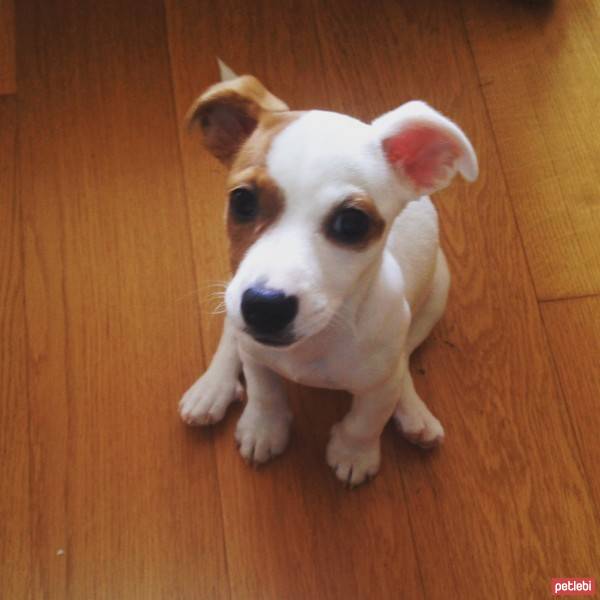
311	197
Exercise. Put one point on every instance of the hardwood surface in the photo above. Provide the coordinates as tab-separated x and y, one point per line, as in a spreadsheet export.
112	242
15	522
539	70
574	332
8	82
118	484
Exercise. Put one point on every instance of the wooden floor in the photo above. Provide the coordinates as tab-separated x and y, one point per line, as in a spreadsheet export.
111	236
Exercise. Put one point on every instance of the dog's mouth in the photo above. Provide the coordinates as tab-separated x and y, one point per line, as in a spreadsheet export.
277	340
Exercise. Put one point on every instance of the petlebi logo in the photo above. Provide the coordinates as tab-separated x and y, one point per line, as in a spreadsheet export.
572	586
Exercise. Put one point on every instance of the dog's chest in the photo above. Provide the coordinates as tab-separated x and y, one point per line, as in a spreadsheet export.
334	367
334	360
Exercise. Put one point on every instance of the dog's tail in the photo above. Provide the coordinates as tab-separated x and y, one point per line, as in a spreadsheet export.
226	72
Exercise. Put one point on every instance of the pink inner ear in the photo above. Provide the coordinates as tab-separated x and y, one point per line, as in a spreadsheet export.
424	153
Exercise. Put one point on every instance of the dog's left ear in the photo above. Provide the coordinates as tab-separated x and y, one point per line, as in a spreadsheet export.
228	113
424	147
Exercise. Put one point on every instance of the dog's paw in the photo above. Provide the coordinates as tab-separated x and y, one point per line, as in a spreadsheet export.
419	426
207	400
262	435
352	463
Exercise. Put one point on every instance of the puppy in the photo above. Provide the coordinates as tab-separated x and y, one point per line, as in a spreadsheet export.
338	272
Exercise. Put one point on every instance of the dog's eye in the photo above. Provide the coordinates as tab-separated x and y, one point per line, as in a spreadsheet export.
349	225
243	205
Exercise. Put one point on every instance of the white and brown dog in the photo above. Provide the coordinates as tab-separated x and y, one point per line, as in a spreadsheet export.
338	272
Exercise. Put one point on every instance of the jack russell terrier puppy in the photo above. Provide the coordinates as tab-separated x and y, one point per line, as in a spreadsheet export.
338	272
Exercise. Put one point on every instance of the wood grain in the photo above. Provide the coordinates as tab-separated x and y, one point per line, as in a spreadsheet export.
573	328
112	238
8	67
115	482
539	66
15	524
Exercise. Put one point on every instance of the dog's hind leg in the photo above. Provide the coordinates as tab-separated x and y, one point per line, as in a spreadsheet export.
353	451
433	308
413	418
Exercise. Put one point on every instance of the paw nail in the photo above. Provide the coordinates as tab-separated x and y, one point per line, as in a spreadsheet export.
349	478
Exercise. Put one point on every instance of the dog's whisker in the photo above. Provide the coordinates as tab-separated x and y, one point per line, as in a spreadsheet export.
312	326
217	294
344	320
221	284
219	309
341	319
199	291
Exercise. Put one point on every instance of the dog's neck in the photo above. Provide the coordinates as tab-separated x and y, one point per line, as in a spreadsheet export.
355	305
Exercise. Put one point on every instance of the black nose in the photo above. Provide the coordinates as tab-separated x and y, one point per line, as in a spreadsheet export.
268	311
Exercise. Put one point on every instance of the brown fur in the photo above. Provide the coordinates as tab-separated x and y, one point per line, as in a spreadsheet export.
249	169
271	203
228	112
239	120
376	229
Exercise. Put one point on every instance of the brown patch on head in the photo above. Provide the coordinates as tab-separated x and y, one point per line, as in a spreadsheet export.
249	171
239	119
230	111
254	151
376	223
270	203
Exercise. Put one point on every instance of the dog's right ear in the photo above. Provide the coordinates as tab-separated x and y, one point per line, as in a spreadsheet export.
229	112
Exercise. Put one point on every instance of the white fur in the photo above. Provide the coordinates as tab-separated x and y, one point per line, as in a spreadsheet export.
361	313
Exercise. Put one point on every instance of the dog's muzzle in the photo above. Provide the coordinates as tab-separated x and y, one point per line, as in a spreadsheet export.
269	314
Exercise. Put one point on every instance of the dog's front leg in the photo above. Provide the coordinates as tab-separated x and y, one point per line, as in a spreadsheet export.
263	429
353	451
207	400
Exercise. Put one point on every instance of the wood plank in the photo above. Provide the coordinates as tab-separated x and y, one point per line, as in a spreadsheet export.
573	328
110	292
15	525
539	65
291	530
487	370
8	68
118	484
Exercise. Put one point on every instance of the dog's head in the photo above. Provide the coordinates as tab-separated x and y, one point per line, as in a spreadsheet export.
311	197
